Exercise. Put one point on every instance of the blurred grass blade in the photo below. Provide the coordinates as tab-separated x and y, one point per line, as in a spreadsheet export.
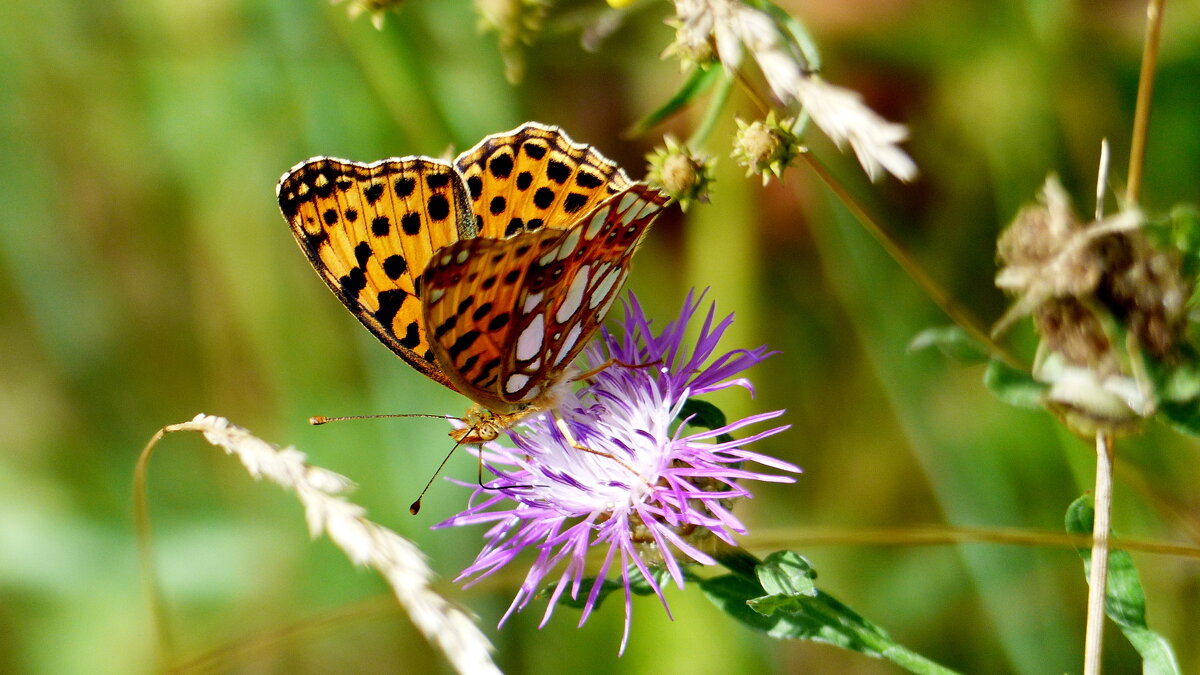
697	83
1125	601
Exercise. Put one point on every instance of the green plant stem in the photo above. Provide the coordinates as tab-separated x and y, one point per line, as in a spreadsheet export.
715	107
1141	116
936	293
1098	573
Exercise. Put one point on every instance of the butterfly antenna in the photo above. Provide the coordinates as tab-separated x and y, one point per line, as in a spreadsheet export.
318	420
415	507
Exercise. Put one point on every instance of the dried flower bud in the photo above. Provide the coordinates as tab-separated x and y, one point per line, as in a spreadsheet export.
517	23
1099	294
765	147
376	8
684	175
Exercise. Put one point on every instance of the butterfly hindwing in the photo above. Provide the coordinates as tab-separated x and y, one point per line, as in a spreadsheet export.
508	316
370	230
535	177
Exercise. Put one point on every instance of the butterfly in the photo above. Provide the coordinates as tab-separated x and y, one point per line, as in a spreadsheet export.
487	274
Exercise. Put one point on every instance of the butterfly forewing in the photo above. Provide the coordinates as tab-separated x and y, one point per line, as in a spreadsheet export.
370	229
535	177
508	316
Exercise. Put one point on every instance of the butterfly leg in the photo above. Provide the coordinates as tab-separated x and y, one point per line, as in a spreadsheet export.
587	375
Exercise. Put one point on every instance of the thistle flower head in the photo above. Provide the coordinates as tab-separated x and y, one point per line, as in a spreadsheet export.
613	469
765	147
685	176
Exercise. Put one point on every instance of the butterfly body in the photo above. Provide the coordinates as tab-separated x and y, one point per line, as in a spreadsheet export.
488	275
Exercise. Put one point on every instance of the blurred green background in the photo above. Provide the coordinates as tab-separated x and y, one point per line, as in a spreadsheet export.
146	275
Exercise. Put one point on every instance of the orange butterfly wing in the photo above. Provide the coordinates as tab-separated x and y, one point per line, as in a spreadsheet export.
508	316
535	176
370	229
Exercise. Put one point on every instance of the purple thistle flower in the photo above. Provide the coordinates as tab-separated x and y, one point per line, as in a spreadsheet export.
606	469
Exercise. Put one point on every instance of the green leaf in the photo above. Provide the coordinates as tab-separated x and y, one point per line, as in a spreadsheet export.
699	81
1182	417
787	573
1124	599
793	608
952	341
704	415
1185	229
1015	387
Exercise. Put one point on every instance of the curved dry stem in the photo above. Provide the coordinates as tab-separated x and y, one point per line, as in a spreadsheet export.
942	535
141	523
936	293
1141	116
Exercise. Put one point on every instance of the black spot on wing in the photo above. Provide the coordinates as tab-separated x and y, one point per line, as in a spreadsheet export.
501	166
353	282
411	223
412	336
394	266
574	202
534	150
588	181
381	226
543	198
446	327
439	208
362	253
557	171
462	344
390	302
373	193
405	186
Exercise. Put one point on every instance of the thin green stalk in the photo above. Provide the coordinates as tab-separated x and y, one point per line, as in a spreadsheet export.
715	107
936	293
1141	116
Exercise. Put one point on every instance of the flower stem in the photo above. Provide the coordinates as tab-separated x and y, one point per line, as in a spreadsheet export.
1098	573
936	293
715	107
1141	116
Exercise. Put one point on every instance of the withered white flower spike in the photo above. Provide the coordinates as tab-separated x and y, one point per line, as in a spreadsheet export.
839	112
363	541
